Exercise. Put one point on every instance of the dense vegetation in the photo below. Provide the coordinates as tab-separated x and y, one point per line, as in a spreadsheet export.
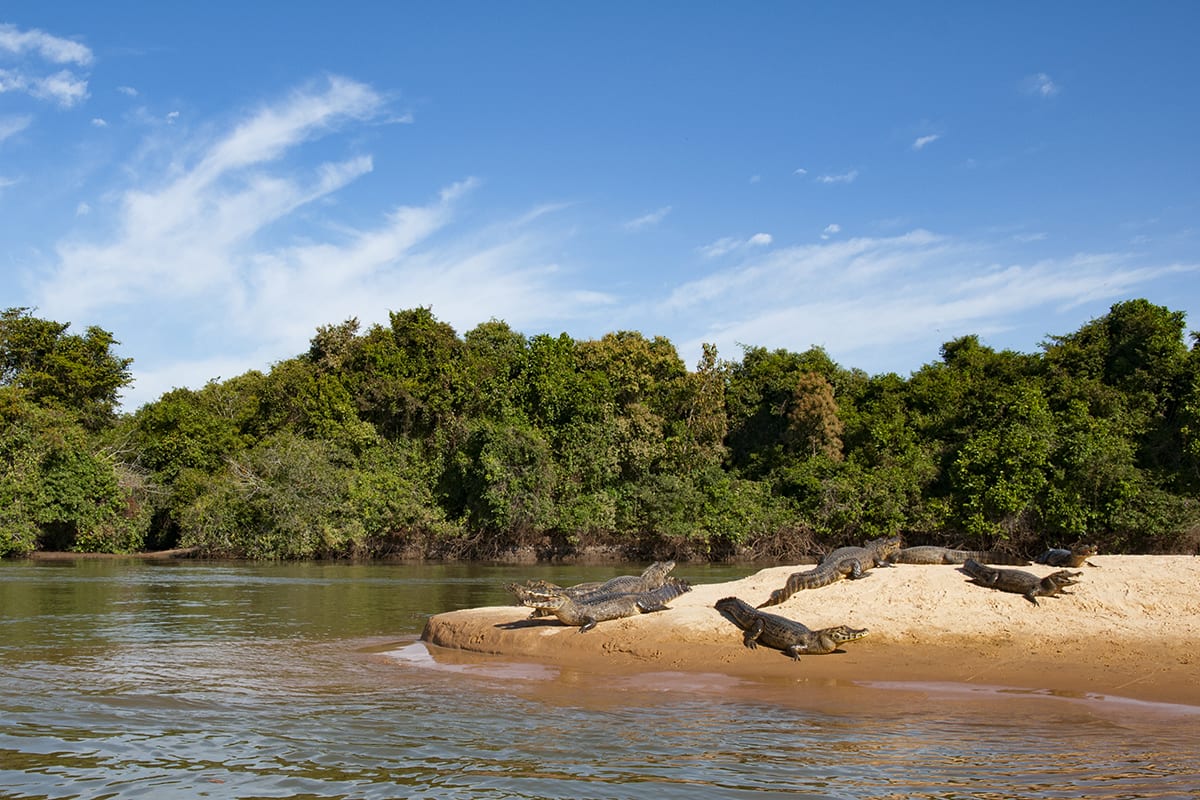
410	439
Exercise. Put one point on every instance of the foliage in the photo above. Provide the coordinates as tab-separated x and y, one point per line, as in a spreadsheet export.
406	438
55	490
79	374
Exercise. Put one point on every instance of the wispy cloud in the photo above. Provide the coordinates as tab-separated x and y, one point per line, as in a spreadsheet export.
921	141
203	251
12	125
730	244
50	48
647	220
831	229
1041	85
63	87
845	177
33	48
864	299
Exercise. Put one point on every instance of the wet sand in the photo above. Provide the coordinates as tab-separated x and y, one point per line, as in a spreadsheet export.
1130	628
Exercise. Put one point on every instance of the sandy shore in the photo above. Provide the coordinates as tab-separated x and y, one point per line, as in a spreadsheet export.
1131	628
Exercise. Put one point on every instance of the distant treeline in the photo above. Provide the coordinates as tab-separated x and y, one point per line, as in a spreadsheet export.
408	439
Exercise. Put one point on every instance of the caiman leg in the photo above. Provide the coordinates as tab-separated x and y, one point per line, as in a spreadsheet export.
750	637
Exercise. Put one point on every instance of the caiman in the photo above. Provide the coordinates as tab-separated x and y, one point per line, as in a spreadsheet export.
932	554
593	608
1077	556
651	578
844	562
1019	581
782	633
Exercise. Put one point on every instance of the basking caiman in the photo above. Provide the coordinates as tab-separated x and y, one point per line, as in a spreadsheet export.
782	633
932	554
1077	556
1019	581
651	578
593	608
844	562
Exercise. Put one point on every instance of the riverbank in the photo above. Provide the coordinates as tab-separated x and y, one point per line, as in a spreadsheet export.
150	555
1131	628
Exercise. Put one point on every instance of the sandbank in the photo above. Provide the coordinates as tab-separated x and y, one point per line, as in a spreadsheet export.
1130	628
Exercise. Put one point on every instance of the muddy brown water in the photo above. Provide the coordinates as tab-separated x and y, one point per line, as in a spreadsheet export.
198	679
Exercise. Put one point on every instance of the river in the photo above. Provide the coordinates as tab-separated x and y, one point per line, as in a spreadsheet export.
123	678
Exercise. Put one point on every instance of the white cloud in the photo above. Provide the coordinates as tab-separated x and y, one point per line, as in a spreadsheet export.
1041	85
5	181
720	247
1025	238
846	177
99	122
82	210
800	171
756	178
647	220
200	259
50	48
129	91
922	141
729	244
64	87
830	230
12	125
864	299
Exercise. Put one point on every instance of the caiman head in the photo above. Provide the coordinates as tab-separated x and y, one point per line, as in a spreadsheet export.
534	587
844	633
658	568
886	545
546	601
1063	578
889	545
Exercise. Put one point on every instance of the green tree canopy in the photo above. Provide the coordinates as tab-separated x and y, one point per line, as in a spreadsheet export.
79	374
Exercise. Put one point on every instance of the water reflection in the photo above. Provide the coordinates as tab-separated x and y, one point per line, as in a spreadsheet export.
125	679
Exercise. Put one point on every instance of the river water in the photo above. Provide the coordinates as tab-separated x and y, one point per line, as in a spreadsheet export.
195	679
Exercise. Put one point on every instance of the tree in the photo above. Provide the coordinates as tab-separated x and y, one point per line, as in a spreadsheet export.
55	490
80	374
638	370
402	376
283	498
507	476
761	390
490	375
814	426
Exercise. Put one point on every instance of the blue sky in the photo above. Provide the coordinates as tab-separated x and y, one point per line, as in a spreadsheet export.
211	182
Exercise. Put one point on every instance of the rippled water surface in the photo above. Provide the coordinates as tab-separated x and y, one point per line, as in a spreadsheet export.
194	679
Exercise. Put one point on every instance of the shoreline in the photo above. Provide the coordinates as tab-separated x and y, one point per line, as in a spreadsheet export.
147	555
1130	628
